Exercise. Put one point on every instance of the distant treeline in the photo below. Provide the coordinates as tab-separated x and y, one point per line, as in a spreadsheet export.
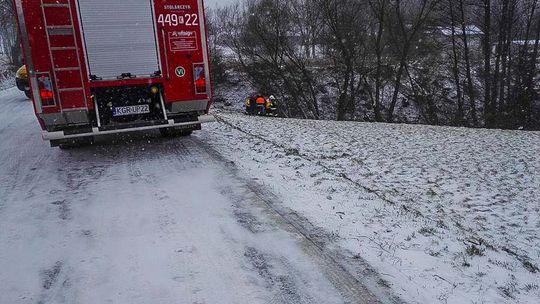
443	62
10	51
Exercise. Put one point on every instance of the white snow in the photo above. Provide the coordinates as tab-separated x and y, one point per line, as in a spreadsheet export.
7	78
137	219
6	83
446	215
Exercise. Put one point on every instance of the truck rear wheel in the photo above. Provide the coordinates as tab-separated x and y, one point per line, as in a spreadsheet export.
173	132
28	94
65	144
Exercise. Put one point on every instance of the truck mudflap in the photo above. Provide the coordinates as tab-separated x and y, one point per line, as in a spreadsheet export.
59	135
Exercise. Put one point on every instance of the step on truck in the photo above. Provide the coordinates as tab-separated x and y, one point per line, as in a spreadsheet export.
101	67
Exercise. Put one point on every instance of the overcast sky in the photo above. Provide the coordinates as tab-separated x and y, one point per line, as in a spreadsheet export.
216	3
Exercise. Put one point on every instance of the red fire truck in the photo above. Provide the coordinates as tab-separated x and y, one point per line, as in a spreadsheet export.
101	67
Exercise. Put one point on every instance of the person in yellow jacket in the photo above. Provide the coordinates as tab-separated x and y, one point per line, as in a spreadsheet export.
248	105
251	106
271	106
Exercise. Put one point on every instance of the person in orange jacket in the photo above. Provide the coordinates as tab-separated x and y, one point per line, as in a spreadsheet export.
261	105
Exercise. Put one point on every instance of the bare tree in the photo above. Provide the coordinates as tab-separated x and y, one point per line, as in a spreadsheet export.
345	36
411	18
379	9
9	35
263	34
456	58
307	23
460	62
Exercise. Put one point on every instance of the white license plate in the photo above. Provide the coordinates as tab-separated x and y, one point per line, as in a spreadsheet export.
130	110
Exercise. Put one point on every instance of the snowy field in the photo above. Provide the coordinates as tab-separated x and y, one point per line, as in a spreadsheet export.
445	215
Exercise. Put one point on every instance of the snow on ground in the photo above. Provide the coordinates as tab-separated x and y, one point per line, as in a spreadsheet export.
6	83
446	215
138	219
7	78
232	96
9	91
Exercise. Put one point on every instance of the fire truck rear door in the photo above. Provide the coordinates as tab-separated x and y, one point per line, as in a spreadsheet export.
119	38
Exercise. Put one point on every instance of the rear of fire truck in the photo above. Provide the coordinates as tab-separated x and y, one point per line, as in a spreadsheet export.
101	67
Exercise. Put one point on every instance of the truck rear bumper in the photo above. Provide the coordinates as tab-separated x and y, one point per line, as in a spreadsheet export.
59	135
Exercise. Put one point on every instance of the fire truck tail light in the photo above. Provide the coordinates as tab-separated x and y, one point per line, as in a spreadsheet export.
45	89
46	94
200	78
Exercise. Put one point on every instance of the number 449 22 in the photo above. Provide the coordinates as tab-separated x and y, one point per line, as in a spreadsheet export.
176	20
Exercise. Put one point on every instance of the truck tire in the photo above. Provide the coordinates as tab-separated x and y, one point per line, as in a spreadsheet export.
186	133
28	94
173	132
66	144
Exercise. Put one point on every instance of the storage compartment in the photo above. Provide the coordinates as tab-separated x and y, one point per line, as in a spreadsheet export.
120	38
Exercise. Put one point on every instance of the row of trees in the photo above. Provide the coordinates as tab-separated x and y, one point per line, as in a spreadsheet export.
452	62
9	43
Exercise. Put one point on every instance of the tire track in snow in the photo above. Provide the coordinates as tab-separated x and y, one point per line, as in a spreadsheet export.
283	278
285	289
350	287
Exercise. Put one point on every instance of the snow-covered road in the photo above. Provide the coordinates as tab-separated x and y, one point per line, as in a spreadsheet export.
141	219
